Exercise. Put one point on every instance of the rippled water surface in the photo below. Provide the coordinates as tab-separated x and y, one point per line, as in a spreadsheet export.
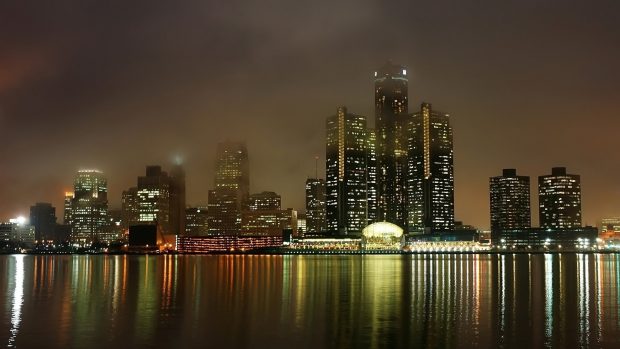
457	301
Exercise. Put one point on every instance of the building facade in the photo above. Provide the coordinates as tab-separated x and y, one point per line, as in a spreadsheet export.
430	179
196	221
559	199
510	201
43	219
153	194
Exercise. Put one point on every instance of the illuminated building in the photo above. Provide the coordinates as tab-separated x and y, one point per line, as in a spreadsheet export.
266	200
67	208
154	199
89	207
18	231
301	224
371	175
196	221
232	188
510	201
430	173
113	231
559	199
206	244
391	118
382	236
565	239
610	229
315	206
177	199
130	211
346	200
43	219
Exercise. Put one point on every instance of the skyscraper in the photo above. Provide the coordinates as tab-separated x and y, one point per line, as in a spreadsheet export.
346	196
232	188
266	200
315	206
67	208
43	219
196	221
391	118
89	206
154	198
559	199
430	173
130	210
510	201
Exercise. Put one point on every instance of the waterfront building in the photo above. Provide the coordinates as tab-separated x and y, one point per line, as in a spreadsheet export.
346	196
301	224
43	219
510	201
89	207
391	119
208	244
196	221
562	239
559	199
315	206
383	236
268	222
430	180
67	208
18	231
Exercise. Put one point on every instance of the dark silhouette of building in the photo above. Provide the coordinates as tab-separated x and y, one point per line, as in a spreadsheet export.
130	210
315	206
559	199
43	219
391	118
510	201
346	196
430	173
196	221
177	199
224	212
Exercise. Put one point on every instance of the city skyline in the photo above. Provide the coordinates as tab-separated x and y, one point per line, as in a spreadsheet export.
507	120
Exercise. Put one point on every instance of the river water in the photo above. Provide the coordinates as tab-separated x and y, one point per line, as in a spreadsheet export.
310	301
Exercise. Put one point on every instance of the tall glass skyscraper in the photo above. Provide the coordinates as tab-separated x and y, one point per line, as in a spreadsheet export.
510	201
391	118
559	199
346	196
89	207
430	182
371	175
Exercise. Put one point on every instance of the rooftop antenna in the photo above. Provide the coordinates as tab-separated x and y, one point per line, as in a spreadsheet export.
316	167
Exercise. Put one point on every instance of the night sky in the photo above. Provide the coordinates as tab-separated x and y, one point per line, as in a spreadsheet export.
120	85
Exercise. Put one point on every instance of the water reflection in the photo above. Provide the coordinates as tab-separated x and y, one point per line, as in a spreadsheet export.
486	301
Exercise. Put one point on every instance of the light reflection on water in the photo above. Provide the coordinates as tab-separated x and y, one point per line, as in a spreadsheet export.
488	301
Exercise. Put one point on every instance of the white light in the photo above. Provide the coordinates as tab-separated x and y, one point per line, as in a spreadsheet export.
404	71
21	220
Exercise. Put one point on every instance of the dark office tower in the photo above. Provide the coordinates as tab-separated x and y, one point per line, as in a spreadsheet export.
510	201
315	206
371	175
177	200
196	221
232	169
430	183
346	173
130	210
559	199
43	218
391	118
224	213
154	199
89	206
266	200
